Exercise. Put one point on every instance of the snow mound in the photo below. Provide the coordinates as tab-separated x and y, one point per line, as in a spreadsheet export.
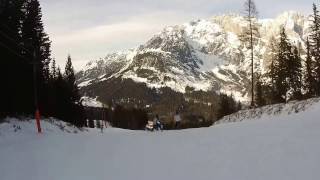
23	126
276	111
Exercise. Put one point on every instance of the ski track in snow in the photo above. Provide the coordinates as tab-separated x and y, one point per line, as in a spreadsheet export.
283	147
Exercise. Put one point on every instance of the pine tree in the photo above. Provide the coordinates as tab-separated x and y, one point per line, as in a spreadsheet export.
2	5
71	81
310	82
315	45
35	38
98	124
227	105
91	123
223	107
52	90
61	106
281	68
273	95
239	106
250	36
260	100
295	74
76	114
53	70
8	59
24	43
10	17
286	71
14	67
37	48
270	91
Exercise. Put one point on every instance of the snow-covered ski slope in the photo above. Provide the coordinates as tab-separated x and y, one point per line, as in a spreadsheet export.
278	147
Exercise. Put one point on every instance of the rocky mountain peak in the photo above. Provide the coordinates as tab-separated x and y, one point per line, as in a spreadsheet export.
203	54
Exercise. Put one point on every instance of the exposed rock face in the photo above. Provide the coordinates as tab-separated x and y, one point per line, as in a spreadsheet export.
204	54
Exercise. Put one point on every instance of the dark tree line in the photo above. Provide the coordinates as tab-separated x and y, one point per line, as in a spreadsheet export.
25	49
227	105
126	118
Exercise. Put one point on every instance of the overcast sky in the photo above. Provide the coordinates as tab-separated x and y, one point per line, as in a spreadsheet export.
90	29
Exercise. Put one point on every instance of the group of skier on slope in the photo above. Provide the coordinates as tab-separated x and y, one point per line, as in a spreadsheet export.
156	124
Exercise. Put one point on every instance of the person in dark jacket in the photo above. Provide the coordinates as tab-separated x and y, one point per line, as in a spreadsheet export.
158	124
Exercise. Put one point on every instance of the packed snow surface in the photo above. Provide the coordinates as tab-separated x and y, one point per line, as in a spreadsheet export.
277	147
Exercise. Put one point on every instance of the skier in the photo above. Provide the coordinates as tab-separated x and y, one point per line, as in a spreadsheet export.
157	123
101	127
177	119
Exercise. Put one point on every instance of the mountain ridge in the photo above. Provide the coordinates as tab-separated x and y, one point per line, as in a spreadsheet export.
203	54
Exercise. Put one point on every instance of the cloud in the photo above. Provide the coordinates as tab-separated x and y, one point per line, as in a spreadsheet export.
95	42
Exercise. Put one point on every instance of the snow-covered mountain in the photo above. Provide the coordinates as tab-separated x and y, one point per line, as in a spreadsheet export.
203	54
